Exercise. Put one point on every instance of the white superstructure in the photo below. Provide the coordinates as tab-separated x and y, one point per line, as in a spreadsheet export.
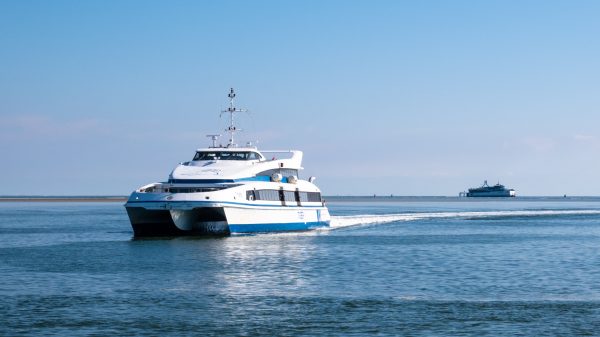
229	189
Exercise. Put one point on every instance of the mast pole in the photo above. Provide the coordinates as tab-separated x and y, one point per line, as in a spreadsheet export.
231	110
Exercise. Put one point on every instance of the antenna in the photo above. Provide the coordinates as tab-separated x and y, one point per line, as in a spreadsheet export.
232	110
214	139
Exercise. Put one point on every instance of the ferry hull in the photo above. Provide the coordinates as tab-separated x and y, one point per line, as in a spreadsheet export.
249	220
152	223
494	194
222	221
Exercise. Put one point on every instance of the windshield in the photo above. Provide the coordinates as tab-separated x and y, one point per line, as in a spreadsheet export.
226	155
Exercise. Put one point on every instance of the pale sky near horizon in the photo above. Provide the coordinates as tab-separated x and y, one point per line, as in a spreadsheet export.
383	97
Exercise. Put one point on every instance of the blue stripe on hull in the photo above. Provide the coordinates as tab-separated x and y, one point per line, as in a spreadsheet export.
276	227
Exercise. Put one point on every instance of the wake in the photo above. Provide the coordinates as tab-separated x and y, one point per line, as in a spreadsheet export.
368	219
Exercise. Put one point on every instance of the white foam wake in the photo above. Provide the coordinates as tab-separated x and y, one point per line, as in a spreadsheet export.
355	220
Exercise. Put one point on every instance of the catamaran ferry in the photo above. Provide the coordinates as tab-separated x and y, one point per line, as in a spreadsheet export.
229	189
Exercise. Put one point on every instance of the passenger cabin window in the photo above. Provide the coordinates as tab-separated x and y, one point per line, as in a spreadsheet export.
281	195
310	197
272	195
226	155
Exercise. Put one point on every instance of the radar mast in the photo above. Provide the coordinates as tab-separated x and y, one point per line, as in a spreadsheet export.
232	110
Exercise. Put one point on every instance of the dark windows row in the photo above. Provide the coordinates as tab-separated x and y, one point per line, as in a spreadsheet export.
226	155
192	189
281	195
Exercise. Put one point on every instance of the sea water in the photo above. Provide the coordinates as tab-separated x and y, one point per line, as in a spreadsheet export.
386	267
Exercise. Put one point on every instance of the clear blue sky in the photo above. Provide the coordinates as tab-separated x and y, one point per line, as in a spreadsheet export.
409	98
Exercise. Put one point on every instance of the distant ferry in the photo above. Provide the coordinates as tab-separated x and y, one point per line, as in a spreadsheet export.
485	190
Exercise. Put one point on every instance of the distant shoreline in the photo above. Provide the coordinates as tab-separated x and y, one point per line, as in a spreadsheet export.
337	198
63	199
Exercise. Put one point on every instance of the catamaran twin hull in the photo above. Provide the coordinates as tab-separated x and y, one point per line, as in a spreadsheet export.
216	218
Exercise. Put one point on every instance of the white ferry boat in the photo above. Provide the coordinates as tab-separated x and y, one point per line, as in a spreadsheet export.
229	189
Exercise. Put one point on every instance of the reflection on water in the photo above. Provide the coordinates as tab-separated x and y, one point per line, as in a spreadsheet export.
269	264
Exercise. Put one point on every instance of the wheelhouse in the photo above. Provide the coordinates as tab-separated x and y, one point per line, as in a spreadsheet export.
227	155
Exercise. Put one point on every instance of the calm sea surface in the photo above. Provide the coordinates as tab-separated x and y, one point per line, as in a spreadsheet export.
387	267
